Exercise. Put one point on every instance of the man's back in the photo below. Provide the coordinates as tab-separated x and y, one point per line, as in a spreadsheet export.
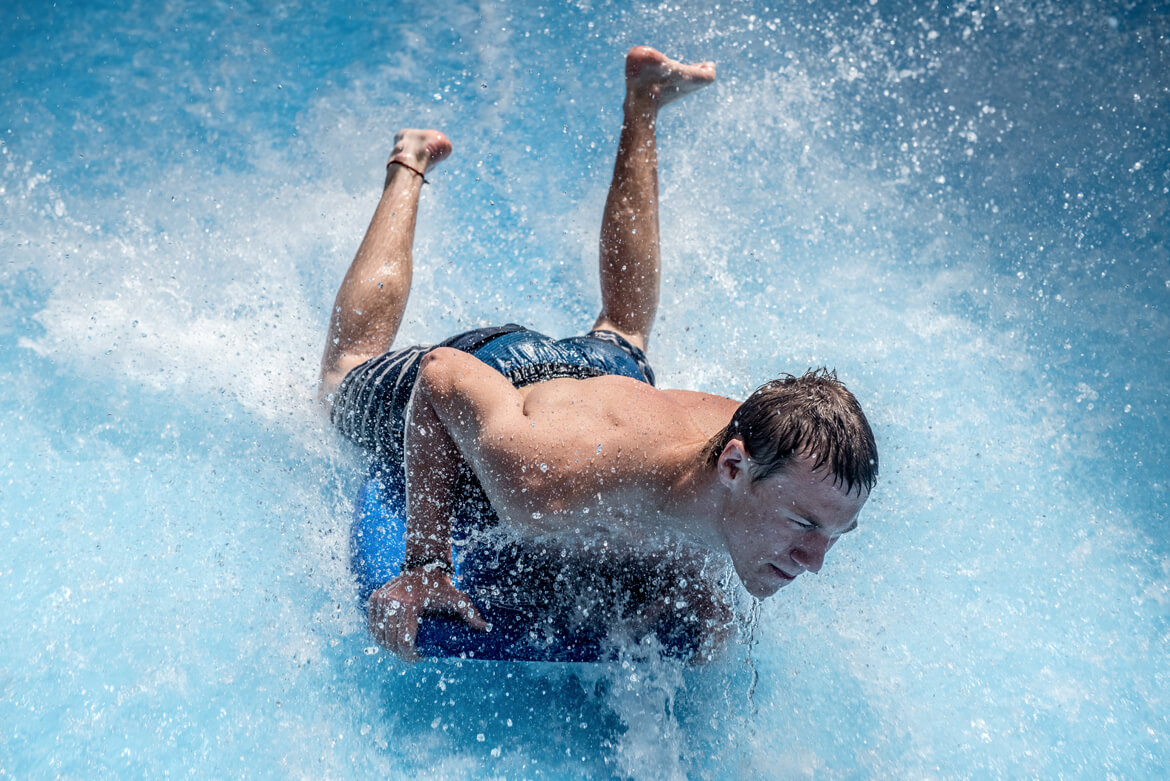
598	454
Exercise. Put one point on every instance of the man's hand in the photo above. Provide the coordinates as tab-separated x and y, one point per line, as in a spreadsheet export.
395	609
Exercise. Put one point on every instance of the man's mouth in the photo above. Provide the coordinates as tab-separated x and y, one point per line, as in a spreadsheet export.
781	574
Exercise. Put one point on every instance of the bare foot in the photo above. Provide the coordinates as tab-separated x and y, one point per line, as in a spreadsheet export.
418	150
652	78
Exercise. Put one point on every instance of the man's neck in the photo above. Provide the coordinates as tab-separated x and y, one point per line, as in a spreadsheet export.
694	498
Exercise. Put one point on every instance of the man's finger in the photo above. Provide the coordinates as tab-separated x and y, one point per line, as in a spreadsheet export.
406	636
379	617
469	614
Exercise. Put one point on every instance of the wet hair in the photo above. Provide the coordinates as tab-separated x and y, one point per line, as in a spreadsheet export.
813	415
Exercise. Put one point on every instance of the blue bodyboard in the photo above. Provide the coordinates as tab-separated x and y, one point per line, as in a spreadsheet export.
518	633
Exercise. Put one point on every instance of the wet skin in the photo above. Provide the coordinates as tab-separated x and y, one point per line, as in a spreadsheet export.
779	527
603	461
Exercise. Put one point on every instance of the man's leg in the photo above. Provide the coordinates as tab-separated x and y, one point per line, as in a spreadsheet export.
372	298
629	227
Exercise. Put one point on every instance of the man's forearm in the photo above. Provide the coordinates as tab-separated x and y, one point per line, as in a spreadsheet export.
456	399
432	468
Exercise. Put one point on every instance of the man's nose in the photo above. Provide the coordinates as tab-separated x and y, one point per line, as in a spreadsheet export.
810	554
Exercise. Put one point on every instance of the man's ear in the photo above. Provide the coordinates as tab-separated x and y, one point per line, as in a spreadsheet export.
733	463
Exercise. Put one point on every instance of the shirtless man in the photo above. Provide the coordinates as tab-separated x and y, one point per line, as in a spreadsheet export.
571	437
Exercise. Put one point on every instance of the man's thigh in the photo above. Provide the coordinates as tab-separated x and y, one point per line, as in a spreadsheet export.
369	405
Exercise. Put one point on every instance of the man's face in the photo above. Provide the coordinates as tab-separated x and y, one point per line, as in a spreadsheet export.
783	525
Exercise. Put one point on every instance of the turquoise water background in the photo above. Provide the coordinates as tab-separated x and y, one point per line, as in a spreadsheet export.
962	206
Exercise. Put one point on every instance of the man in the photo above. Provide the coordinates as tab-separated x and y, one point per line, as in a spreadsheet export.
570	440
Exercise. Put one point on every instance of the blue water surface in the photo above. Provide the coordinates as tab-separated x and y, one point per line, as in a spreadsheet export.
961	206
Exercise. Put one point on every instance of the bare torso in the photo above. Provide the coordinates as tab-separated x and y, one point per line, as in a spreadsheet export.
586	472
596	458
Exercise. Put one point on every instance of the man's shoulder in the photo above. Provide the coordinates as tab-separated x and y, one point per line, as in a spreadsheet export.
710	411
624	390
690	398
617	398
645	403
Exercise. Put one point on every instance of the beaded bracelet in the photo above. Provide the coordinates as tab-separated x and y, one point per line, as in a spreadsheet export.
429	565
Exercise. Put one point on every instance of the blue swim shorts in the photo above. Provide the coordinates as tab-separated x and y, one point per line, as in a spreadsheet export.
369	406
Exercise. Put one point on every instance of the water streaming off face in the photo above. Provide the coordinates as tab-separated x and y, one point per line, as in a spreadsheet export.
962	208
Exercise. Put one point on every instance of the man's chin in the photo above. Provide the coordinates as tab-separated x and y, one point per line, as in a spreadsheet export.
762	590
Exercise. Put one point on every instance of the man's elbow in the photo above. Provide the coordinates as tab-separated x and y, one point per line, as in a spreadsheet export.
437	371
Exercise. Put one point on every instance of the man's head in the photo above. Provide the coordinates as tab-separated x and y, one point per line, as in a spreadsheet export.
798	460
813	415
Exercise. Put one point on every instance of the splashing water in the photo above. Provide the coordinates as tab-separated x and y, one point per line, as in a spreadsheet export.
962	207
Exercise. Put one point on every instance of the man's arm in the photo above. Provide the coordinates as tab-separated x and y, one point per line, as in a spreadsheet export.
453	398
432	468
